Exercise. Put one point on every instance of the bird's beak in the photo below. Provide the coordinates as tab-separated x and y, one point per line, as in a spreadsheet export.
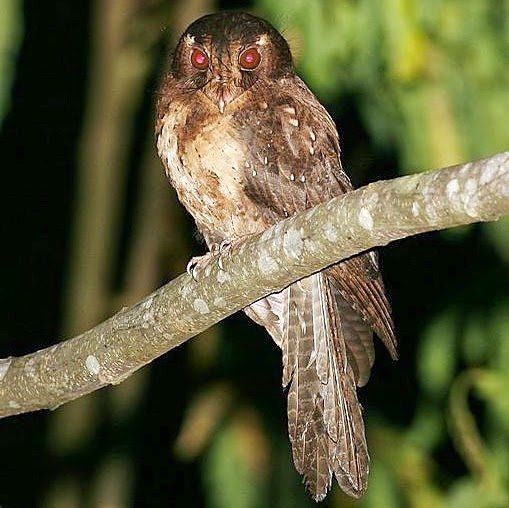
221	90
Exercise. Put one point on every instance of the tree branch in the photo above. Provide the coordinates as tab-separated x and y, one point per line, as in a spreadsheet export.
368	217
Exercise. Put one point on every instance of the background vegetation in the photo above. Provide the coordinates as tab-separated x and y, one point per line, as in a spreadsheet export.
90	225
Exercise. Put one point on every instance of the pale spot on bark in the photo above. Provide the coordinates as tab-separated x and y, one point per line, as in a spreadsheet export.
148	303
14	404
470	186
312	135
294	122
185	290
219	302
311	150
331	233
471	198
365	219
452	188
292	177
293	243
5	363
493	170
201	306
416	209
223	277
289	110
266	263
92	364
30	367
148	316
372	199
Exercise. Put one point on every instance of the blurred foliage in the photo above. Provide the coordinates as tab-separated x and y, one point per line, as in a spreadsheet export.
10	37
430	77
413	85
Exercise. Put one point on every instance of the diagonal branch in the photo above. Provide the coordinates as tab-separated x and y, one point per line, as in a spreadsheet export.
369	217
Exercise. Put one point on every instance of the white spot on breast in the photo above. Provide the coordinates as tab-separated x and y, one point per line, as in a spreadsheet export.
13	404
200	306
365	219
289	110
292	177
265	160
264	105
254	172
302	178
312	135
311	150
92	364
294	122
415	209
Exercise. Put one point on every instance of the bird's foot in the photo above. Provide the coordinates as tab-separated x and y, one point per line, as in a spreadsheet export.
222	251
197	264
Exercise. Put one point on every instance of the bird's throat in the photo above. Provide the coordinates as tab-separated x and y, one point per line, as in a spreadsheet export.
222	94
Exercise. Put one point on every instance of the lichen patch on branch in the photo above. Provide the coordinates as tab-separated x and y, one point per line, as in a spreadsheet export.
200	306
293	243
92	364
365	219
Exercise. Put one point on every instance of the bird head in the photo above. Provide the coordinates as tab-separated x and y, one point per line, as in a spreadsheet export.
225	54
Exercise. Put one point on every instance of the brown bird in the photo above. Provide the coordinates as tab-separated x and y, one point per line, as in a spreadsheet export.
245	143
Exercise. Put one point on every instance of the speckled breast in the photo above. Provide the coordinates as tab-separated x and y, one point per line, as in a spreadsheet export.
205	164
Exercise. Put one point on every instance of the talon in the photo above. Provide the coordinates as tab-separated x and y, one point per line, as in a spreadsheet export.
191	266
220	262
198	263
225	248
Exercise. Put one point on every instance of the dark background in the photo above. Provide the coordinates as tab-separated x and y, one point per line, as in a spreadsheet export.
144	444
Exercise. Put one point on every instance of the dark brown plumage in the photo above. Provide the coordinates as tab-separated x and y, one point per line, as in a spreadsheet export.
246	144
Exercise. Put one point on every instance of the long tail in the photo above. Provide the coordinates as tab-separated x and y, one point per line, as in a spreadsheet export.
309	320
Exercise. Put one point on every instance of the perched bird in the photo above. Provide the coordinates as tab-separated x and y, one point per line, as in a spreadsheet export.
245	143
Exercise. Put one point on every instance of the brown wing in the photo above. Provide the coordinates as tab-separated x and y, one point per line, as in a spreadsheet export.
323	324
295	164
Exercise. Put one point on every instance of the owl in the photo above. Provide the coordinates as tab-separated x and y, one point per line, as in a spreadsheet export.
246	144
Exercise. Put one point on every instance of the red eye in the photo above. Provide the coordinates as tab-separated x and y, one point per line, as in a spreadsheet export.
199	59
250	59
